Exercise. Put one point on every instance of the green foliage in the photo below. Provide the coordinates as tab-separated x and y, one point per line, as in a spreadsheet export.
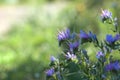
25	51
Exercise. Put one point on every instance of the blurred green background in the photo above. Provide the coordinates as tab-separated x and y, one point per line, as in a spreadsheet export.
28	34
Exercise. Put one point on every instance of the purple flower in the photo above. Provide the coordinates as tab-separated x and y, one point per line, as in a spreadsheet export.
106	15
117	37
99	54
74	45
63	35
50	72
109	67
110	39
113	66
88	37
70	56
84	35
52	58
116	65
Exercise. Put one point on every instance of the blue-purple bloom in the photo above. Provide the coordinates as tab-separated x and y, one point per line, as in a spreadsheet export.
52	59
110	39
74	45
50	72
63	35
84	35
88	37
99	54
117	37
113	66
70	56
106	15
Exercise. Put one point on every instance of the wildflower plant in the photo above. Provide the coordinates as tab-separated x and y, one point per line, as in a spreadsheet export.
74	62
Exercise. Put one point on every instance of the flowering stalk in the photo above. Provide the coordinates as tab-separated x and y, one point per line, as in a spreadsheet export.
74	62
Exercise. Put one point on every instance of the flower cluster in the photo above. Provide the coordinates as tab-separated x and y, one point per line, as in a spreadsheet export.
75	64
50	72
53	59
106	14
88	37
111	40
63	35
113	66
70	56
99	55
74	46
